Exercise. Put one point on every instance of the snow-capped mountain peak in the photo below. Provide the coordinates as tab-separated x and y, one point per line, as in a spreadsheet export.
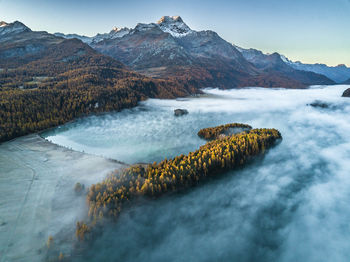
119	29
174	25
119	32
3	24
116	32
12	28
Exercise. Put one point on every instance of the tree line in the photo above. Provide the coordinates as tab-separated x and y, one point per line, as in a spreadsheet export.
64	93
211	133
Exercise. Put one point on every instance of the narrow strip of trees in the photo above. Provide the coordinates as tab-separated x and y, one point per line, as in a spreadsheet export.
211	133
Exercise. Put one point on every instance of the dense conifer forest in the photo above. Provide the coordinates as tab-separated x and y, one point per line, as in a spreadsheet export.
211	133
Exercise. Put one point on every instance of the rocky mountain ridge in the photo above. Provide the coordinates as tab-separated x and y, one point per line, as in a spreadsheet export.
171	49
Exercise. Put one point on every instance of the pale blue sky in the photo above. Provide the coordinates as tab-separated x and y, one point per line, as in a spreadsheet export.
307	30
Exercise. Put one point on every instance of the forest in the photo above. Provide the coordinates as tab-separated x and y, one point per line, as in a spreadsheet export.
23	111
211	133
108	198
70	80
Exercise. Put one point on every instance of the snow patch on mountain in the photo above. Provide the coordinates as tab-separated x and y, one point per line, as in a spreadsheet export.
115	33
12	28
250	54
240	49
3	24
285	59
119	32
174	25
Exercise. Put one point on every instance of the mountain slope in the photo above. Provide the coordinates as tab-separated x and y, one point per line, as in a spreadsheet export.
18	43
14	28
165	50
83	38
27	54
270	63
47	80
338	73
170	48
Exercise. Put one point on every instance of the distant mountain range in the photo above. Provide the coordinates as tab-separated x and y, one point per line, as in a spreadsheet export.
171	49
275	63
338	74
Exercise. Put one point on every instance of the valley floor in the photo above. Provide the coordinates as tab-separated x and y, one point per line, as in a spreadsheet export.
37	197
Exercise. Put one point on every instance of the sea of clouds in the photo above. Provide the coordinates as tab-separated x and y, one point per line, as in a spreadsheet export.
292	205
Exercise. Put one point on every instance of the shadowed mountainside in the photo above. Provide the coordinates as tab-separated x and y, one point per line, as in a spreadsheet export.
47	80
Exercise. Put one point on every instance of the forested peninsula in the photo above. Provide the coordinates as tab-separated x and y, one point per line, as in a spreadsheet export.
108	198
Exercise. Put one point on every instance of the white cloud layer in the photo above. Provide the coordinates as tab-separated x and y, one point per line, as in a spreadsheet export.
292	205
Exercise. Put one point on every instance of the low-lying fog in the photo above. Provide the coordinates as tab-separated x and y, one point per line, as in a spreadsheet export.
291	206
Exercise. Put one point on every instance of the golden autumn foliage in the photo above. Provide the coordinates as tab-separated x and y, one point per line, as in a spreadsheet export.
107	199
61	99
211	133
82	230
67	81
49	241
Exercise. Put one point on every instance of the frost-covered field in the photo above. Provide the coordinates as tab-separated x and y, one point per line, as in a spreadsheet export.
37	197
